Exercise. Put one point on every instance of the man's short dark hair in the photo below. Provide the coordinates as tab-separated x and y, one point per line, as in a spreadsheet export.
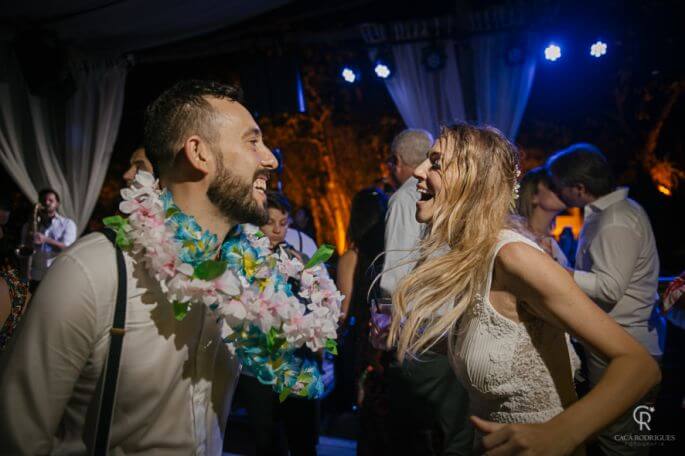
585	164
275	200
45	192
181	111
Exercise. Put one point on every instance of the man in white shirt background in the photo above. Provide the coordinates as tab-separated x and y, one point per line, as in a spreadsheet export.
425	396
402	231
301	241
617	263
54	234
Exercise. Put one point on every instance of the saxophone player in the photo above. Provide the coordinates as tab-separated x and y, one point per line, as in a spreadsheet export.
51	234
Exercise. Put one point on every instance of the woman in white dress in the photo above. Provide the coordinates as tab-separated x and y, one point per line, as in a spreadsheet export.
503	305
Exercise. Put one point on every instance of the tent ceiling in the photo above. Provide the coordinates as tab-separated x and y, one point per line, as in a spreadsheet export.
119	26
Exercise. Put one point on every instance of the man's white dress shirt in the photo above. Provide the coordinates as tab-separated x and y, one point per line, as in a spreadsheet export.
61	229
617	265
176	378
301	241
402	235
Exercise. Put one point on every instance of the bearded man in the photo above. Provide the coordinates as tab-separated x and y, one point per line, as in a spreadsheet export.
176	378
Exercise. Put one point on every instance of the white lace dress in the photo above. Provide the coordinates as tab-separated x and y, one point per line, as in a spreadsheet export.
512	370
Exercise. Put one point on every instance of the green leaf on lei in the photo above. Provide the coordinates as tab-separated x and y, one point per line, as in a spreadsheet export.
173	210
331	346
273	342
180	310
322	255
115	221
305	377
284	394
270	336
123	241
118	224
210	269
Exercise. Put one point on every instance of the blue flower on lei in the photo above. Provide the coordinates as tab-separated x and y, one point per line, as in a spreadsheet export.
196	246
242	256
290	372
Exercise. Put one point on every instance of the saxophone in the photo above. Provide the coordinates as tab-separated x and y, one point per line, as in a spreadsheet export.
27	250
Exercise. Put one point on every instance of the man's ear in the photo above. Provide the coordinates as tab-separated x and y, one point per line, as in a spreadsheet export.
197	154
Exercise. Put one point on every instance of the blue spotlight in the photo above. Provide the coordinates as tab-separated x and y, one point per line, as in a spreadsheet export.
382	70
552	52
598	49
349	75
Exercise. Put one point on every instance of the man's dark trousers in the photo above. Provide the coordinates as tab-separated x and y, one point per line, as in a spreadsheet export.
428	408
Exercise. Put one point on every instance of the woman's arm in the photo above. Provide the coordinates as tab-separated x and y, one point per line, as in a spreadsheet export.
345	279
533	277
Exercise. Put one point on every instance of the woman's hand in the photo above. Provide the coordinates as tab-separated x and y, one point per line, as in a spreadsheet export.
379	325
529	439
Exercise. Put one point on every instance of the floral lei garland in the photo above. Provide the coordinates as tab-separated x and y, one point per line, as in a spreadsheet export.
273	305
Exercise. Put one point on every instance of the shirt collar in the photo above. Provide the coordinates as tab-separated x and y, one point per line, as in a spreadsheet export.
57	218
602	203
409	184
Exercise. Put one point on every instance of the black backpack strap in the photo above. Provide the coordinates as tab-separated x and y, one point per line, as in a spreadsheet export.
111	370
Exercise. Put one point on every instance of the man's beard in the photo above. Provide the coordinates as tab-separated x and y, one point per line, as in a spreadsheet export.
47	215
234	198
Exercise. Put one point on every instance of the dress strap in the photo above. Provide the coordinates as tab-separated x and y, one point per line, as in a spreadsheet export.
505	237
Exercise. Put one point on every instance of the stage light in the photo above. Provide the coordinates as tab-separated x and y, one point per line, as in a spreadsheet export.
349	75
598	49
552	52
382	70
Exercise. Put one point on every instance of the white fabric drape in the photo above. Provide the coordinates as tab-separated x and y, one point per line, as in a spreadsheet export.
502	85
93	118
39	150
425	99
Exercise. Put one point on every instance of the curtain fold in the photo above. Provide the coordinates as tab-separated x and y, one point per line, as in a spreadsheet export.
425	99
65	145
93	117
503	72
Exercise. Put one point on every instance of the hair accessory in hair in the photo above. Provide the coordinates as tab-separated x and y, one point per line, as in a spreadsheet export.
517	185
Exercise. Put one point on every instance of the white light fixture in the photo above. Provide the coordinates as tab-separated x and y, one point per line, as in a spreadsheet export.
552	52
598	49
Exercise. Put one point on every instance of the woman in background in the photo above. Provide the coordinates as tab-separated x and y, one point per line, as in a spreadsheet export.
539	206
360	373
